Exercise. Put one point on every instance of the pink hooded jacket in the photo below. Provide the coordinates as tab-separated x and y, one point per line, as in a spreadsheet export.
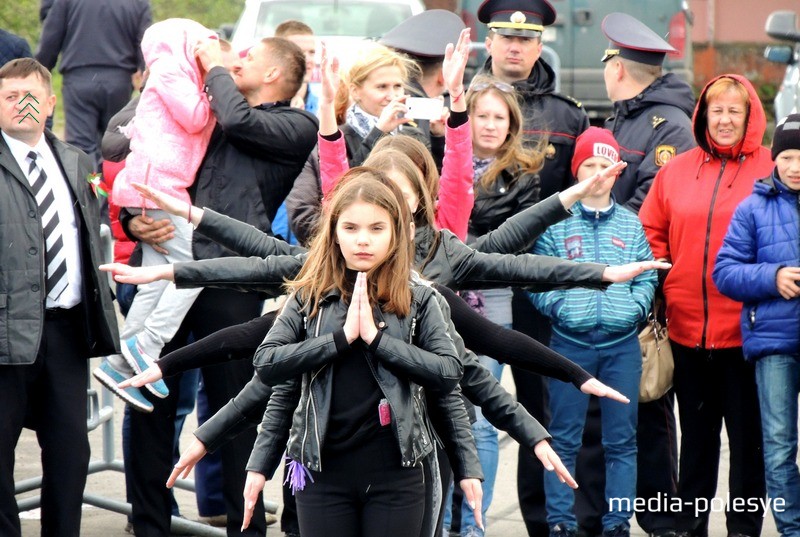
173	122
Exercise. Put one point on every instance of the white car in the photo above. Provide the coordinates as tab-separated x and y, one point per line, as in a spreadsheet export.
343	25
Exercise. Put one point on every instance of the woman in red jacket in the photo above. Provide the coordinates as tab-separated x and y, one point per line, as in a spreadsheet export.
686	215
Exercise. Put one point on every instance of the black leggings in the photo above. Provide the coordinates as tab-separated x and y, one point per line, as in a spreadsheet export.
363	504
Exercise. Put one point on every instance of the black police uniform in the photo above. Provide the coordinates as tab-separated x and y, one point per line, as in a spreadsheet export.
650	128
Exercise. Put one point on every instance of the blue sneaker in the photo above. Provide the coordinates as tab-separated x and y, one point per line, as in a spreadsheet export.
139	361
110	378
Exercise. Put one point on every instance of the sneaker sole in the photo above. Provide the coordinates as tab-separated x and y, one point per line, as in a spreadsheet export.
126	353
109	383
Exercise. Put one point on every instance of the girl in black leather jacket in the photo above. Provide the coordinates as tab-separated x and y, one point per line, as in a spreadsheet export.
357	388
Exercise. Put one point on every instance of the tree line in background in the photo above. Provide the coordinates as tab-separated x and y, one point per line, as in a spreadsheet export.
22	16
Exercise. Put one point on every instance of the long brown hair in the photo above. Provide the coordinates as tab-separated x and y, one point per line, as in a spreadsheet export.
419	155
392	159
512	153
324	269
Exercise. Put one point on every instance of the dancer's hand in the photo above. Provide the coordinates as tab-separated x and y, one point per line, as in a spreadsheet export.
595	387
149	375
623	273
366	322
473	494
171	204
139	275
590	186
453	67
552	463
186	463
252	488
352	321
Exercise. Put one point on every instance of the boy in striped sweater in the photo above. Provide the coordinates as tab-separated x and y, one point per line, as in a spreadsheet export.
597	330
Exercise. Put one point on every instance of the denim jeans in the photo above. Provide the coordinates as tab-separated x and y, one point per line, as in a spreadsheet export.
619	366
778	380
488	452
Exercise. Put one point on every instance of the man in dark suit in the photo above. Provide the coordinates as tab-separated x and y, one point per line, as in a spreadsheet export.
55	306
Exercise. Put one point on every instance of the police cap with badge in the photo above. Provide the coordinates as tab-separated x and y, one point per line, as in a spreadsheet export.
520	18
425	35
633	40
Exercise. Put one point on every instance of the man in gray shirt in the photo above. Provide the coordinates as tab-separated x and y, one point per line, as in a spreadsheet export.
99	43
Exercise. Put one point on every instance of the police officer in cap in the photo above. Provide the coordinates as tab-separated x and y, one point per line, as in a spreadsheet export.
514	44
424	38
652	123
652	110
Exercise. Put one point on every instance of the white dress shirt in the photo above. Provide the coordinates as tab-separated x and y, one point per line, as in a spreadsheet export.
66	213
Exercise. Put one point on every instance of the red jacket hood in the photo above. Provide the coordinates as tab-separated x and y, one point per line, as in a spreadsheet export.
756	119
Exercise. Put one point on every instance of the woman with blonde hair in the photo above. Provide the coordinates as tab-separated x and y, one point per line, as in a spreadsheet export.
370	101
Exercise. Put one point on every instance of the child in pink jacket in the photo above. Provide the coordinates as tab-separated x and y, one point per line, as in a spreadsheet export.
169	137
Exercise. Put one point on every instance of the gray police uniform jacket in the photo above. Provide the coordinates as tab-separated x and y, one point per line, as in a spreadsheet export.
22	260
547	114
650	129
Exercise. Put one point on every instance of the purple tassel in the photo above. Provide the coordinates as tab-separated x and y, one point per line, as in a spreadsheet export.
475	300
296	476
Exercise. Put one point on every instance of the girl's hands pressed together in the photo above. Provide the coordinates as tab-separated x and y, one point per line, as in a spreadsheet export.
359	322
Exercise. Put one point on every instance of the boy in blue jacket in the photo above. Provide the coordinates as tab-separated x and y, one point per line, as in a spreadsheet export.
597	330
759	265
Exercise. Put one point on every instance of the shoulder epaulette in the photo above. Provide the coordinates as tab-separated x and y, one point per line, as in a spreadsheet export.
656	120
573	101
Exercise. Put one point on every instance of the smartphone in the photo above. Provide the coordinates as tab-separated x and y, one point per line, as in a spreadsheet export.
423	108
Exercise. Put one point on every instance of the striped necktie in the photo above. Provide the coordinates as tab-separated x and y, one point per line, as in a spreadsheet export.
55	255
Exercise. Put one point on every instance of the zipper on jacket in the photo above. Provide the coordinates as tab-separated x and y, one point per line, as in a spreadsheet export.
596	224
705	252
310	405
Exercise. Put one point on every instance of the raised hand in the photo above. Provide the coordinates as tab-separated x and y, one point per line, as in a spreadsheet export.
623	273
139	275
597	388
186	463
329	71
252	487
455	63
552	463
473	493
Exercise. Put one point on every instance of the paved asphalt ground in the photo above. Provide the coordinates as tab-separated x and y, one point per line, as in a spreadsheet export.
504	516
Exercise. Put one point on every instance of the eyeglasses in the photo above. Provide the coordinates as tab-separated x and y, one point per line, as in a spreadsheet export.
502	86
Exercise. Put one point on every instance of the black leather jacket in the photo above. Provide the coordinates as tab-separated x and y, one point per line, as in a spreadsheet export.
547	114
511	193
410	353
477	384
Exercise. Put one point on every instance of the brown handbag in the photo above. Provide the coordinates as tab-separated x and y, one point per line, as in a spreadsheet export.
657	363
